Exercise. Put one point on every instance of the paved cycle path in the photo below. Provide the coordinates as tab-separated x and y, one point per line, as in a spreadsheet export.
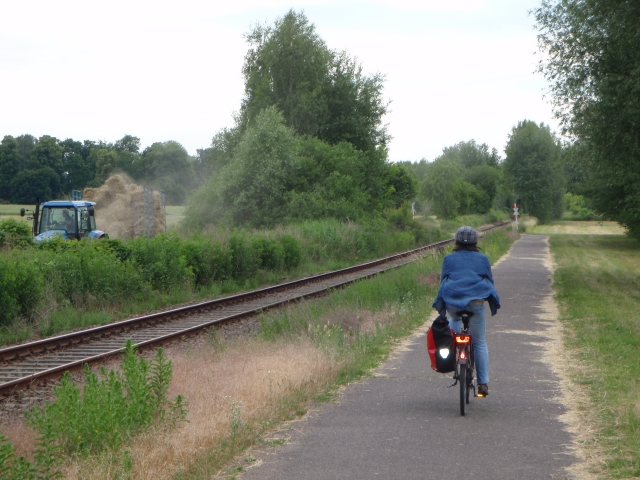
405	423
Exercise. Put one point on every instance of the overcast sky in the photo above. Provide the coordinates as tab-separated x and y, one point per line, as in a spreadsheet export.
455	70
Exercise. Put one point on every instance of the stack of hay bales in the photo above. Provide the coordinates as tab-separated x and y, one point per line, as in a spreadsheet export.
120	208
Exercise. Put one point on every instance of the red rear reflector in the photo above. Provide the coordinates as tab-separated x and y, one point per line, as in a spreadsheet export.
462	355
463	338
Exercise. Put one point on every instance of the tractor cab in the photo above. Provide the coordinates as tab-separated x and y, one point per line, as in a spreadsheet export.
71	219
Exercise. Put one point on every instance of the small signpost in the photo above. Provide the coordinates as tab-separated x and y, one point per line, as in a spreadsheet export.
516	215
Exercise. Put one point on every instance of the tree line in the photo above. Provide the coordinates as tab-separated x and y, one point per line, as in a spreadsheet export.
49	168
469	178
309	141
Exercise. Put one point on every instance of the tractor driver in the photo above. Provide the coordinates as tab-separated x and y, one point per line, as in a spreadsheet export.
69	222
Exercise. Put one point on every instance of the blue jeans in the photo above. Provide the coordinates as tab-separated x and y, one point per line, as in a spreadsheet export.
476	329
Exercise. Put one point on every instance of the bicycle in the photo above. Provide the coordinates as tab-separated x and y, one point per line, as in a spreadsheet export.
465	372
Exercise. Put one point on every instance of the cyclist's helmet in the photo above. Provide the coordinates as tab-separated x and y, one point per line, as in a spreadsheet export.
467	236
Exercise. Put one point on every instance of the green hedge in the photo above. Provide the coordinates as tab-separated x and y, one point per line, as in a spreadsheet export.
87	274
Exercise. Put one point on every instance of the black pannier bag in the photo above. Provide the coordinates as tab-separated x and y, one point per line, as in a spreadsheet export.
440	345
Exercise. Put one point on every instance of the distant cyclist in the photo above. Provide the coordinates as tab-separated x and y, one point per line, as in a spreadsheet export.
465	283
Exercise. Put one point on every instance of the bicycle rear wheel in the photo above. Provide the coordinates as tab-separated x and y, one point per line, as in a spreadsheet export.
464	388
471	371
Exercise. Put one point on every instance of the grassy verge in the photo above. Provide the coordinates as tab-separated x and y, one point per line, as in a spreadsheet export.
597	282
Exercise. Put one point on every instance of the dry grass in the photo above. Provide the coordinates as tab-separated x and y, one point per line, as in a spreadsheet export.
21	437
249	379
577	228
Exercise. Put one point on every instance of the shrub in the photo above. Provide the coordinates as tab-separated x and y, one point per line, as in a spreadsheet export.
21	287
82	270
111	409
209	261
14	233
292	251
243	259
269	253
160	261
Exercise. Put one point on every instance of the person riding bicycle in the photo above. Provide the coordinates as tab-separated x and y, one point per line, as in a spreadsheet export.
465	283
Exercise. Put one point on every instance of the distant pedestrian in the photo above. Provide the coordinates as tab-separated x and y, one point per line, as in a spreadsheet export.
465	283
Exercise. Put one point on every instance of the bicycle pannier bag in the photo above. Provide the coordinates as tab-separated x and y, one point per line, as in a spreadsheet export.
440	345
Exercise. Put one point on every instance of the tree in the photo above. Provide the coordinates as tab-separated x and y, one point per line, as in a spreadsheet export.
9	165
287	66
251	188
320	92
25	146
439	187
417	170
47	152
211	160
128	143
592	62
105	160
168	167
470	154
534	168
486	179
76	173
401	186
355	106
43	183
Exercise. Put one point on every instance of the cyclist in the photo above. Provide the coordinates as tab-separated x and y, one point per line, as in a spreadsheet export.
465	283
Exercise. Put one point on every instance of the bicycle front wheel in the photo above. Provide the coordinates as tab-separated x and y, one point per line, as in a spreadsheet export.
464	387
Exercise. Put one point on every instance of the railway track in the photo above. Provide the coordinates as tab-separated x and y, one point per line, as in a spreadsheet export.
24	365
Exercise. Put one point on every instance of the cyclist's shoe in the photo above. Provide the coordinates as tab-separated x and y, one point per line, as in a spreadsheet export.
483	390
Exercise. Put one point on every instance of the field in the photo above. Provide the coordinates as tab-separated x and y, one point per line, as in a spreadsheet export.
9	210
174	215
577	228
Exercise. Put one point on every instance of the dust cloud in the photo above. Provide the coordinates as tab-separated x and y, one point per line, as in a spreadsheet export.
120	208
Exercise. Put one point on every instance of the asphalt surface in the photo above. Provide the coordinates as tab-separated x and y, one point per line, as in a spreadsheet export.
405	423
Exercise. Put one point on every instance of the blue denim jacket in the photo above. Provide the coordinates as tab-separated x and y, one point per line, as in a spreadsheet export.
466	276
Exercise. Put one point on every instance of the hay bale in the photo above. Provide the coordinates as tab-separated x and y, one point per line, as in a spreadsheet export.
116	184
120	207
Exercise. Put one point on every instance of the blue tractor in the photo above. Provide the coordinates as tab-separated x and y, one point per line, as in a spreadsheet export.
71	219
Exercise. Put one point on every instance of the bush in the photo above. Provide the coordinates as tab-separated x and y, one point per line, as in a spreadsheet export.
21	287
14	233
160	262
207	260
79	271
270	253
243	258
292	251
111	409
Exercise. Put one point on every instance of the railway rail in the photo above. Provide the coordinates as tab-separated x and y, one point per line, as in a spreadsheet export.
24	365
